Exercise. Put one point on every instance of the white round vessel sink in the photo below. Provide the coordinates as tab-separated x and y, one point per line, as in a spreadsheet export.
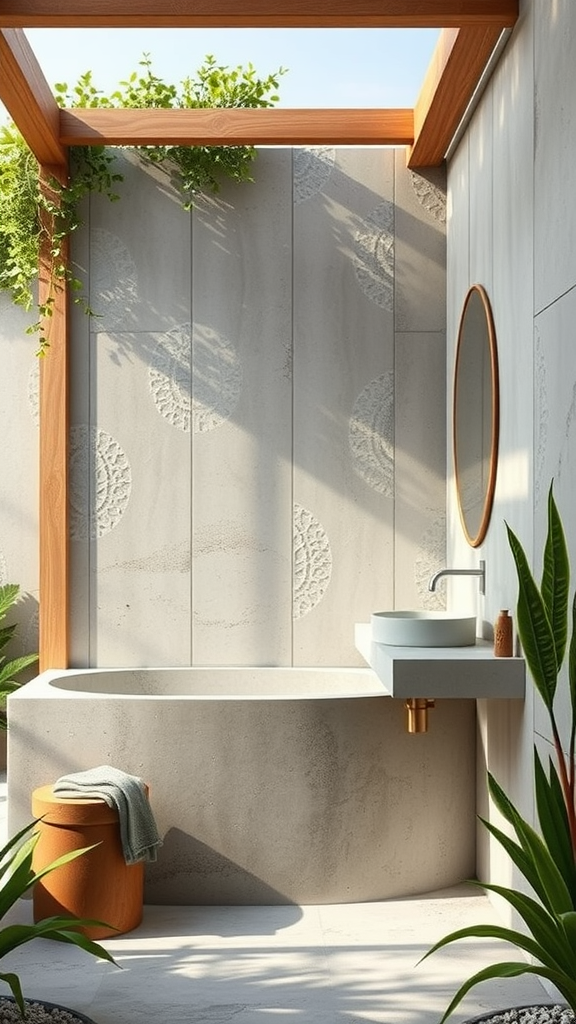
423	629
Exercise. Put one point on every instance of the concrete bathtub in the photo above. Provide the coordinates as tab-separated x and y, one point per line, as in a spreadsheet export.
268	785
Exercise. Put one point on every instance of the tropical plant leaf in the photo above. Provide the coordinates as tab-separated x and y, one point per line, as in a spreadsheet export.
13	844
64	930
6	689
517	855
544	927
537	864
572	676
8	594
6	634
556	578
60	929
19	876
554	823
534	628
569	925
509	935
16	878
14	667
14	982
545	859
511	969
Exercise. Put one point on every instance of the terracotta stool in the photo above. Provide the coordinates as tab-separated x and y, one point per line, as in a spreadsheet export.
99	884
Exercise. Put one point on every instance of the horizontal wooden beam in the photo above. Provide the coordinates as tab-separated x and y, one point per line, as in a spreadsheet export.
457	64
28	98
256	13
237	126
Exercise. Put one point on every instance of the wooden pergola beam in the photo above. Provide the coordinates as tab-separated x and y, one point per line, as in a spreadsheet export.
238	126
28	98
256	13
54	425
457	64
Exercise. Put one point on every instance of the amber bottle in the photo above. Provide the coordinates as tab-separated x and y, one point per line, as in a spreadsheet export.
503	635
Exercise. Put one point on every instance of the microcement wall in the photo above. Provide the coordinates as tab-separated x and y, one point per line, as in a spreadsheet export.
258	437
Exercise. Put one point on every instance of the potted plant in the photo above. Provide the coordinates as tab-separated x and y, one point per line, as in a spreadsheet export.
546	858
17	877
9	669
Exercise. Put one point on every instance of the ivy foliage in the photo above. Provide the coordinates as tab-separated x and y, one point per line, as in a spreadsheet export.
30	207
19	221
201	168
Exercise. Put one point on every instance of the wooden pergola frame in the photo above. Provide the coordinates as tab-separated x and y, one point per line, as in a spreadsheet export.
471	30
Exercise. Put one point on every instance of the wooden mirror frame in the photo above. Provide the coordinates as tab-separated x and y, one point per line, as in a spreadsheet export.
475	536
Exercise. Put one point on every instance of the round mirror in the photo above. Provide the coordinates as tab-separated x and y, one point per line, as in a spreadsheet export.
476	415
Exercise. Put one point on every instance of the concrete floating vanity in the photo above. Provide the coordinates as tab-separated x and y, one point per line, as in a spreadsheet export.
442	671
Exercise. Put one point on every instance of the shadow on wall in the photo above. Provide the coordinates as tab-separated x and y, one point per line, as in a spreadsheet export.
240	416
367	244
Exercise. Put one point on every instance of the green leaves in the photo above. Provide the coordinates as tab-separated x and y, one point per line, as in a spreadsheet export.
9	669
546	859
197	168
16	879
19	220
542	613
534	627
556	579
202	168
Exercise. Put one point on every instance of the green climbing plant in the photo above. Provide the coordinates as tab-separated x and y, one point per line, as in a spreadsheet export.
30	208
9	670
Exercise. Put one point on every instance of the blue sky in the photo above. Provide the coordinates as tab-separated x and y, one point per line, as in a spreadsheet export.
326	67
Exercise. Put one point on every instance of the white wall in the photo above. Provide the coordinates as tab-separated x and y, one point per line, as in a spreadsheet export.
512	227
257	456
19	375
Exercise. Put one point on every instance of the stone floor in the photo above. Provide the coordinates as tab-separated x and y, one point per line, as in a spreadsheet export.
297	965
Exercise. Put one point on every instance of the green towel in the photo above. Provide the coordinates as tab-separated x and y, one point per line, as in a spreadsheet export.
127	793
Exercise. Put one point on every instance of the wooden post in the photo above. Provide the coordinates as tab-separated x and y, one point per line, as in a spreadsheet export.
54	599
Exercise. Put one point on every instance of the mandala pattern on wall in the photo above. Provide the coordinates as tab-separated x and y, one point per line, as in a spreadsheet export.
195	385
312	169
371	434
312	562
374	256
34	391
170	377
430	196
216	380
431	557
100	482
113	280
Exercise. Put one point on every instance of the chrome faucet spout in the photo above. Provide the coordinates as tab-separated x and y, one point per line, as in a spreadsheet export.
480	572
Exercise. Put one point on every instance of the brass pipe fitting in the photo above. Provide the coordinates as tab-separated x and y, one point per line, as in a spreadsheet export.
417	708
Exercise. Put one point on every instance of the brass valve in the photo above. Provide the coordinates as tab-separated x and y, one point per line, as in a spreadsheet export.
417	708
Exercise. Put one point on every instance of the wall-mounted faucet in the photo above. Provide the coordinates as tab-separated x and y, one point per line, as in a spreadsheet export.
480	572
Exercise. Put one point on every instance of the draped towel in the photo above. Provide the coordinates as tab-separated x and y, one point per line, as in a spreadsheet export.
127	793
